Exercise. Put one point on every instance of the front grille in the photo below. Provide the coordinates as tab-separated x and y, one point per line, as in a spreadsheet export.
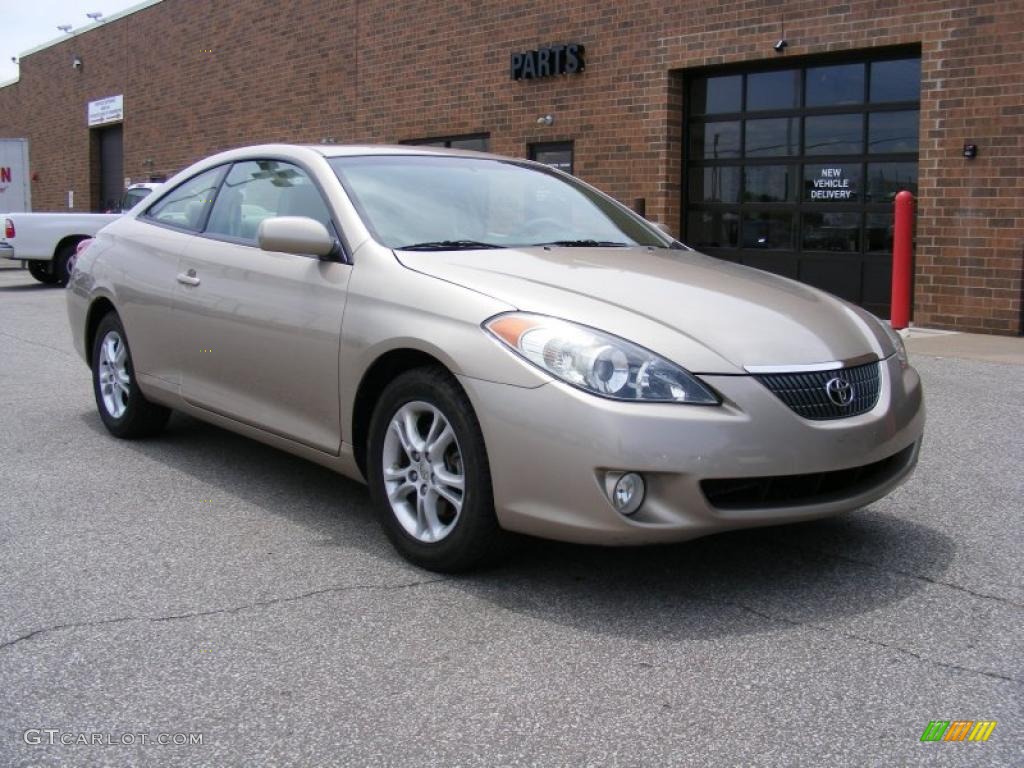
798	490
807	393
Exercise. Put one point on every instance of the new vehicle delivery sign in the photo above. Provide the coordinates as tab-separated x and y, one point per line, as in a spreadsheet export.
108	110
831	185
836	182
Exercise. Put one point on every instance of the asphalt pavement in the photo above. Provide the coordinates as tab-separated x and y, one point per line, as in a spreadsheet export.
200	583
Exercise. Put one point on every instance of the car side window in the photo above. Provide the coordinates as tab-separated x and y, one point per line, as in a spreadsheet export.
255	190
187	204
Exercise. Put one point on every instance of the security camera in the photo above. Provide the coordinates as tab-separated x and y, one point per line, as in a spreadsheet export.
76	63
780	45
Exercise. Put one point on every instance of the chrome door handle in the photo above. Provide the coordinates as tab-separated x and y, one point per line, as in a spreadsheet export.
188	278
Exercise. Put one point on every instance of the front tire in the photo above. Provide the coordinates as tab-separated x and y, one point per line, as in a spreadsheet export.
429	475
42	271
125	411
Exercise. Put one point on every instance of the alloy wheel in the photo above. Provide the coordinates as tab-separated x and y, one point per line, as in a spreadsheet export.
114	378
424	476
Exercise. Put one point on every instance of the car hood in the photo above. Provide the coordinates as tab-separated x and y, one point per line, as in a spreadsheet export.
706	314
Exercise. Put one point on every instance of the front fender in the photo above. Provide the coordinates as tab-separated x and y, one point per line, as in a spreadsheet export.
393	308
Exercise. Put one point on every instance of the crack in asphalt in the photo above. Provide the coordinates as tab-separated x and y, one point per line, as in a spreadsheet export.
702	598
869	640
34	343
825	554
229	610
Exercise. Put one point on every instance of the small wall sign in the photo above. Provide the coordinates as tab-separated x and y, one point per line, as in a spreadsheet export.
109	110
548	62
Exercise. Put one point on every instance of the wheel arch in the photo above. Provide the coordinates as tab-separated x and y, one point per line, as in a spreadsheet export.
386	367
99	309
68	240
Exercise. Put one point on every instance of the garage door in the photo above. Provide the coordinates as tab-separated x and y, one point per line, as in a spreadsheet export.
793	169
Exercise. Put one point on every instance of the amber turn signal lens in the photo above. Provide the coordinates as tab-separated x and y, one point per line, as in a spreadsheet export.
510	328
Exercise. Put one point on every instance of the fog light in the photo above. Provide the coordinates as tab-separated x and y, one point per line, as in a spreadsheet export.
627	493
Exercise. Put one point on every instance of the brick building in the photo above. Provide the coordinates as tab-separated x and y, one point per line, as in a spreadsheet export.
783	159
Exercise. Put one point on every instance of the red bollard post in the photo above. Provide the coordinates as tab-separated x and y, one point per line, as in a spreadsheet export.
902	258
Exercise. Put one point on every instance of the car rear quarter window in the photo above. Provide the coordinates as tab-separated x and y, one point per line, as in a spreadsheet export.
187	205
255	190
132	198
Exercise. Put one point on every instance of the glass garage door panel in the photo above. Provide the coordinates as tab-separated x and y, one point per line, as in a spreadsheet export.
793	169
768	230
877	282
715	184
781	263
713	230
837	276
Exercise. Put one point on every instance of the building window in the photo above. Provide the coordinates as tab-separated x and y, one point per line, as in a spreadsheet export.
480	142
557	154
793	168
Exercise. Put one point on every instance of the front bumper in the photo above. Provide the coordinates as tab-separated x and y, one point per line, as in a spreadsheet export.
549	449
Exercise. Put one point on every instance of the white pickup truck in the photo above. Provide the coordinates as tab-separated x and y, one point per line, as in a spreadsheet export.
47	242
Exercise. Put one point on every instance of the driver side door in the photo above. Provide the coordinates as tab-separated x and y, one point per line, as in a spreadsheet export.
260	331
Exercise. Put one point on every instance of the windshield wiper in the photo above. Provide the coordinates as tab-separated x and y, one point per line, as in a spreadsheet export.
447	245
586	243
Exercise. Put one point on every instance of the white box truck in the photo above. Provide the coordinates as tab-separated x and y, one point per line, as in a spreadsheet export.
15	190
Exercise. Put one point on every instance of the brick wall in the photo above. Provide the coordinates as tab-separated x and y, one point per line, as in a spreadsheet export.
199	76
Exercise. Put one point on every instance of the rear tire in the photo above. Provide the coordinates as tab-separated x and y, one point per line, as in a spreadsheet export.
429	476
125	411
42	271
64	263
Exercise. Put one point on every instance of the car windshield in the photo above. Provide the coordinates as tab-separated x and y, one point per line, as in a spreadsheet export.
416	202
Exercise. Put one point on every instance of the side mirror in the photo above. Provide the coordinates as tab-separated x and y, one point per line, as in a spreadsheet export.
296	234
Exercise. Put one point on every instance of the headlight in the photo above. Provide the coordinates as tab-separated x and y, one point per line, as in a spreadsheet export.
896	339
597	362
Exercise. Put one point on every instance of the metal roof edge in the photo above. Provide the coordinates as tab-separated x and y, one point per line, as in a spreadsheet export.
88	28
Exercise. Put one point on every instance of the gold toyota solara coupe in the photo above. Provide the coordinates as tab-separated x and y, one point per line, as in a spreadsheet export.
492	346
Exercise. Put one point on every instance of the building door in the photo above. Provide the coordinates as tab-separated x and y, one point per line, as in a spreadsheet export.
793	168
110	170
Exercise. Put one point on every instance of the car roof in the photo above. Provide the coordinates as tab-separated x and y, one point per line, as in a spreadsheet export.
357	150
297	151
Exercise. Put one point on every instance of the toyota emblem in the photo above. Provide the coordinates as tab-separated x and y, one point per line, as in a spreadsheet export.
839	391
